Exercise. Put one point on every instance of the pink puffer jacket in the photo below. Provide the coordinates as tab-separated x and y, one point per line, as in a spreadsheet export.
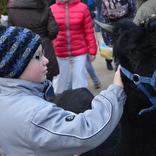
76	33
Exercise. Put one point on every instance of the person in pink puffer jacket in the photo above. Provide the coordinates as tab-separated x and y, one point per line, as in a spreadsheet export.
74	40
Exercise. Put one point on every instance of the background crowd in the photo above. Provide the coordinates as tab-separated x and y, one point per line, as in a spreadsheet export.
68	63
61	37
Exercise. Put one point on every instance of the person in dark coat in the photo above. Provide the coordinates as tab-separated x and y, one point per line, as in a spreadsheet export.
51	2
36	15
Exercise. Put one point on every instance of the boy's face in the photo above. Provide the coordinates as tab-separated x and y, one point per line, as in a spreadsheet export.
36	70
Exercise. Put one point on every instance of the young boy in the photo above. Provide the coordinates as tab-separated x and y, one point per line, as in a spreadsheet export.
29	125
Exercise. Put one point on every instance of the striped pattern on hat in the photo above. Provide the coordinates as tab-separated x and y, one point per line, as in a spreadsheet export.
17	47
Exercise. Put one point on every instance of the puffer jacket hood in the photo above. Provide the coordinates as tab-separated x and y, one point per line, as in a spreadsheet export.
71	1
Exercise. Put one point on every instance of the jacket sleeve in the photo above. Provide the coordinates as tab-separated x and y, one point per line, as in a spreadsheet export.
89	33
145	10
52	26
58	132
141	16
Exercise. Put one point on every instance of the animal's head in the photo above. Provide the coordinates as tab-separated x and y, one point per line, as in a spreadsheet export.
135	49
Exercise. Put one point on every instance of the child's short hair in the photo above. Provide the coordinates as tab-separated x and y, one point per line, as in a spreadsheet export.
17	47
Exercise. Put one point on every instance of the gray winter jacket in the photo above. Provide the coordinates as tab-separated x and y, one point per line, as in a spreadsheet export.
145	10
31	126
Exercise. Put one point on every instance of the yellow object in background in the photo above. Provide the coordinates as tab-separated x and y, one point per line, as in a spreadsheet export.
105	51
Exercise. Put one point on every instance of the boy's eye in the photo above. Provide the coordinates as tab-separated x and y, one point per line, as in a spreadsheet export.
38	57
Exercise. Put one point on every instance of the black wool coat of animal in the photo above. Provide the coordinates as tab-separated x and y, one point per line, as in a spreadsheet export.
135	50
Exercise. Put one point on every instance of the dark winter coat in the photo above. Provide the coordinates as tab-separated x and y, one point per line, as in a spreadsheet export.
39	19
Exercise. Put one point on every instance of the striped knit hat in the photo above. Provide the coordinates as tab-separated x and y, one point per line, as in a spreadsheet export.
17	47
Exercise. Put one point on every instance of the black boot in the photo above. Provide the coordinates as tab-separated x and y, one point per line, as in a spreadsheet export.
109	65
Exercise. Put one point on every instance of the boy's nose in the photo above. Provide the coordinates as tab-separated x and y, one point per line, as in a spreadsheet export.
46	61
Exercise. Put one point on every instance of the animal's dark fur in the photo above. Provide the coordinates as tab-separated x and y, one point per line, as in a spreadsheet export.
77	100
135	49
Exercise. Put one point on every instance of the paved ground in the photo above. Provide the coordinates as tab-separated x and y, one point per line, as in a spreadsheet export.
105	75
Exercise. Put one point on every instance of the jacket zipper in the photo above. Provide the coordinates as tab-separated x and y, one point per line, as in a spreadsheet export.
68	31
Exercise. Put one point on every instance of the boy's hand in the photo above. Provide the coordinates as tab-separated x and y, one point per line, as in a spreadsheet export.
117	78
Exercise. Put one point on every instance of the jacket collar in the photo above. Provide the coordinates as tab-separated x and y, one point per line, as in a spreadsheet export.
71	2
10	86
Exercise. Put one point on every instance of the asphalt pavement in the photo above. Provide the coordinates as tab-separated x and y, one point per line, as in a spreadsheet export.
105	76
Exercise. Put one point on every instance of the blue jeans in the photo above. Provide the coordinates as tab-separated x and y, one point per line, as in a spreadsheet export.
97	28
90	71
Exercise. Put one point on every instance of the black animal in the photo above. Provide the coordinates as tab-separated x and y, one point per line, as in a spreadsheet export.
135	49
138	55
